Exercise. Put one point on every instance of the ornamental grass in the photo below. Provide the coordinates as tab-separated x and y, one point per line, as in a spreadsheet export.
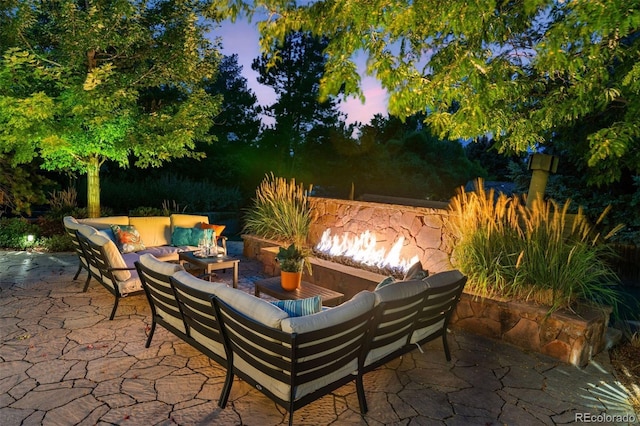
280	211
541	254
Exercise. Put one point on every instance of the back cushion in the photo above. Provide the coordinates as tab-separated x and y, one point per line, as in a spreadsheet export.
113	256
70	222
86	230
154	230
359	304
187	221
399	290
104	222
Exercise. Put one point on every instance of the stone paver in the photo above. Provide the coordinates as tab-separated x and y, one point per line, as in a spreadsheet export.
62	362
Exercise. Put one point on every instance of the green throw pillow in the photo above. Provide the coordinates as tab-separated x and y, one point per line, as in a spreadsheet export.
300	307
187	236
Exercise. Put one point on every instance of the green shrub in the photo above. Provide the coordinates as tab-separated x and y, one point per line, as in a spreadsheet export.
146	212
280	211
56	243
14	233
542	253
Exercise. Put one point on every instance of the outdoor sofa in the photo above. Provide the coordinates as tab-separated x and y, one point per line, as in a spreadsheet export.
98	253
294	360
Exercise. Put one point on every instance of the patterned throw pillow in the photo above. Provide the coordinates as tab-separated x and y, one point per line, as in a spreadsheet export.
300	307
127	238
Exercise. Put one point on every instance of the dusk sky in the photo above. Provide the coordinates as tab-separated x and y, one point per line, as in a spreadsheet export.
242	37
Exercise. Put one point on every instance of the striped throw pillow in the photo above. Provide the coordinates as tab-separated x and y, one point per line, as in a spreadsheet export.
300	307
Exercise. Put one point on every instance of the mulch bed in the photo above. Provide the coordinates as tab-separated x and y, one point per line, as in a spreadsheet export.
625	359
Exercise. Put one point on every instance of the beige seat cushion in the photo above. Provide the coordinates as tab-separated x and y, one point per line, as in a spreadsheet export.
132	285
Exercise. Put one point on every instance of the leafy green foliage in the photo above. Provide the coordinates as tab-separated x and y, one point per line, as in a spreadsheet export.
238	119
571	182
390	158
496	165
83	83
143	211
280	211
543	254
299	113
292	258
517	70
57	243
21	186
14	233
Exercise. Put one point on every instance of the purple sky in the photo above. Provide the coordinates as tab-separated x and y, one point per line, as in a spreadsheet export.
242	37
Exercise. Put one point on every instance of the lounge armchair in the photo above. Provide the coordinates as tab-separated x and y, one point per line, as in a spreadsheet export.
296	360
110	268
409	314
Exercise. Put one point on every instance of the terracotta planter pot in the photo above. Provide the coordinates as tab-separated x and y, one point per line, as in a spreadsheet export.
290	280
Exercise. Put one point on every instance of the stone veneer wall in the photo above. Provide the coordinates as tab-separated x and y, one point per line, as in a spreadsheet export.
569	338
422	227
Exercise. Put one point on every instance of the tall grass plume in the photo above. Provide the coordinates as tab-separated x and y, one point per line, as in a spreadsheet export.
280	211
542	254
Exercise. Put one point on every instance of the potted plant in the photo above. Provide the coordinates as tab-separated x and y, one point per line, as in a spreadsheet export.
291	260
280	214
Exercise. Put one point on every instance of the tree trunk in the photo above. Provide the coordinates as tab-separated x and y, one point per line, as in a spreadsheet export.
93	187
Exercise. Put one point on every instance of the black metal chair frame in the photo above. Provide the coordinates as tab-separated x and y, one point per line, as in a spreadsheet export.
158	294
394	320
101	270
188	299
282	354
83	262
439	305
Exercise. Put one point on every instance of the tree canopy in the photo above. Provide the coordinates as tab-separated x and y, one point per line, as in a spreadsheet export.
295	77
86	82
516	71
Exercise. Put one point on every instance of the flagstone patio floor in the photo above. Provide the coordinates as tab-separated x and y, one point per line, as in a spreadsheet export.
62	362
